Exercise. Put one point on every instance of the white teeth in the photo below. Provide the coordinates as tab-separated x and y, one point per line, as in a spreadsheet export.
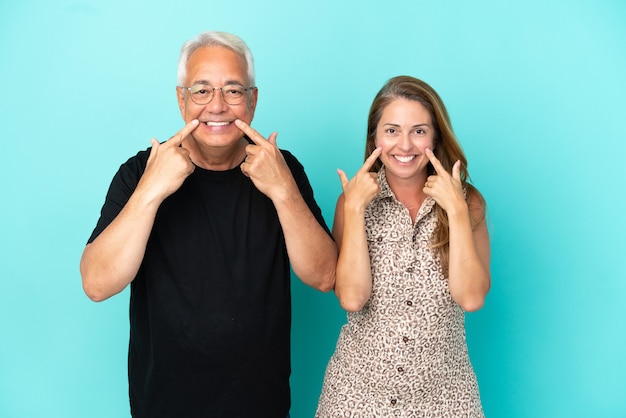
404	159
209	123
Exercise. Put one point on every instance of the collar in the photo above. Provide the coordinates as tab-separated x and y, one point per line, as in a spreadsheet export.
386	193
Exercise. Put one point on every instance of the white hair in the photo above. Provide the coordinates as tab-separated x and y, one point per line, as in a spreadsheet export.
213	38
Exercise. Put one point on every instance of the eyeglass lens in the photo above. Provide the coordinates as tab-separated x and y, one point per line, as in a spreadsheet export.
203	94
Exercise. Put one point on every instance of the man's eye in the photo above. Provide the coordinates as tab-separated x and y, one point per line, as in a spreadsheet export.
199	90
234	92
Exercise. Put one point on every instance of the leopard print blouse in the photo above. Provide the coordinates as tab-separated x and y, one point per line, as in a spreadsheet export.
404	354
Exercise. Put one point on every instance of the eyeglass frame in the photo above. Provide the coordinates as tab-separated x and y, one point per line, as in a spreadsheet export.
221	89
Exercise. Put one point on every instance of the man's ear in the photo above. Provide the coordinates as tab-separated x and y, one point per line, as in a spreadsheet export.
181	100
253	99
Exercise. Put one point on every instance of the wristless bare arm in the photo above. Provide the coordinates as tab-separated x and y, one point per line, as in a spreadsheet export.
469	273
312	252
112	260
354	277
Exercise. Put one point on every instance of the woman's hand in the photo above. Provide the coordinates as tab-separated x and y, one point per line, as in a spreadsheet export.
363	187
444	187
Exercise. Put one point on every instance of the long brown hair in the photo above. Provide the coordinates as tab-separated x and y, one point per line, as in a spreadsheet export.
447	148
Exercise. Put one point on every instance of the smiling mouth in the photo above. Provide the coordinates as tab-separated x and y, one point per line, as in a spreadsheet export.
404	159
211	123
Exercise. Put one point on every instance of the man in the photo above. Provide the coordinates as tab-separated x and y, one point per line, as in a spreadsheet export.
204	227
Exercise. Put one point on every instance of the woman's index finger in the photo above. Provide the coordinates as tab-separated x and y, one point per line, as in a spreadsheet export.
369	162
439	168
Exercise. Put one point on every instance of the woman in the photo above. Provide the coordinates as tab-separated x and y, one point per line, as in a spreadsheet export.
414	256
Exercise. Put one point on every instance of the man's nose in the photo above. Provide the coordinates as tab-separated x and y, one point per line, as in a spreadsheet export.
217	103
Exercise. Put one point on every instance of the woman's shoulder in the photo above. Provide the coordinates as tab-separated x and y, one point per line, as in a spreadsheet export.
476	204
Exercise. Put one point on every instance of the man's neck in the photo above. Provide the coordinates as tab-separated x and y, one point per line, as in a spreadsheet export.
218	158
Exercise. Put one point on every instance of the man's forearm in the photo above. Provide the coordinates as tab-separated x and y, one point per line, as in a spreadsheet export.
312	252
112	260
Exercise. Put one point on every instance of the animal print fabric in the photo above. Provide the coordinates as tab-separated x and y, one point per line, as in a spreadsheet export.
404	354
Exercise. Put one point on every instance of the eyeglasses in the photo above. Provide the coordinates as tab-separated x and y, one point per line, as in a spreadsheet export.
202	94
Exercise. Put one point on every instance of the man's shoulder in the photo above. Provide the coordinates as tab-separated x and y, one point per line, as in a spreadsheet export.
132	169
291	159
140	158
136	163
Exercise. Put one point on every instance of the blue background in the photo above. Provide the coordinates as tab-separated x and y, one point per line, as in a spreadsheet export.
536	94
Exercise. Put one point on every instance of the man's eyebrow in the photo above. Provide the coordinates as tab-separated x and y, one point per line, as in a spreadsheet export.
228	82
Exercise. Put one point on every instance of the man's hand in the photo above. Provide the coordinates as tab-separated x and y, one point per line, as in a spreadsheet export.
265	164
168	165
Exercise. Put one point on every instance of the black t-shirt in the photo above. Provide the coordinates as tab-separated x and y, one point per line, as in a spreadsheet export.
210	309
